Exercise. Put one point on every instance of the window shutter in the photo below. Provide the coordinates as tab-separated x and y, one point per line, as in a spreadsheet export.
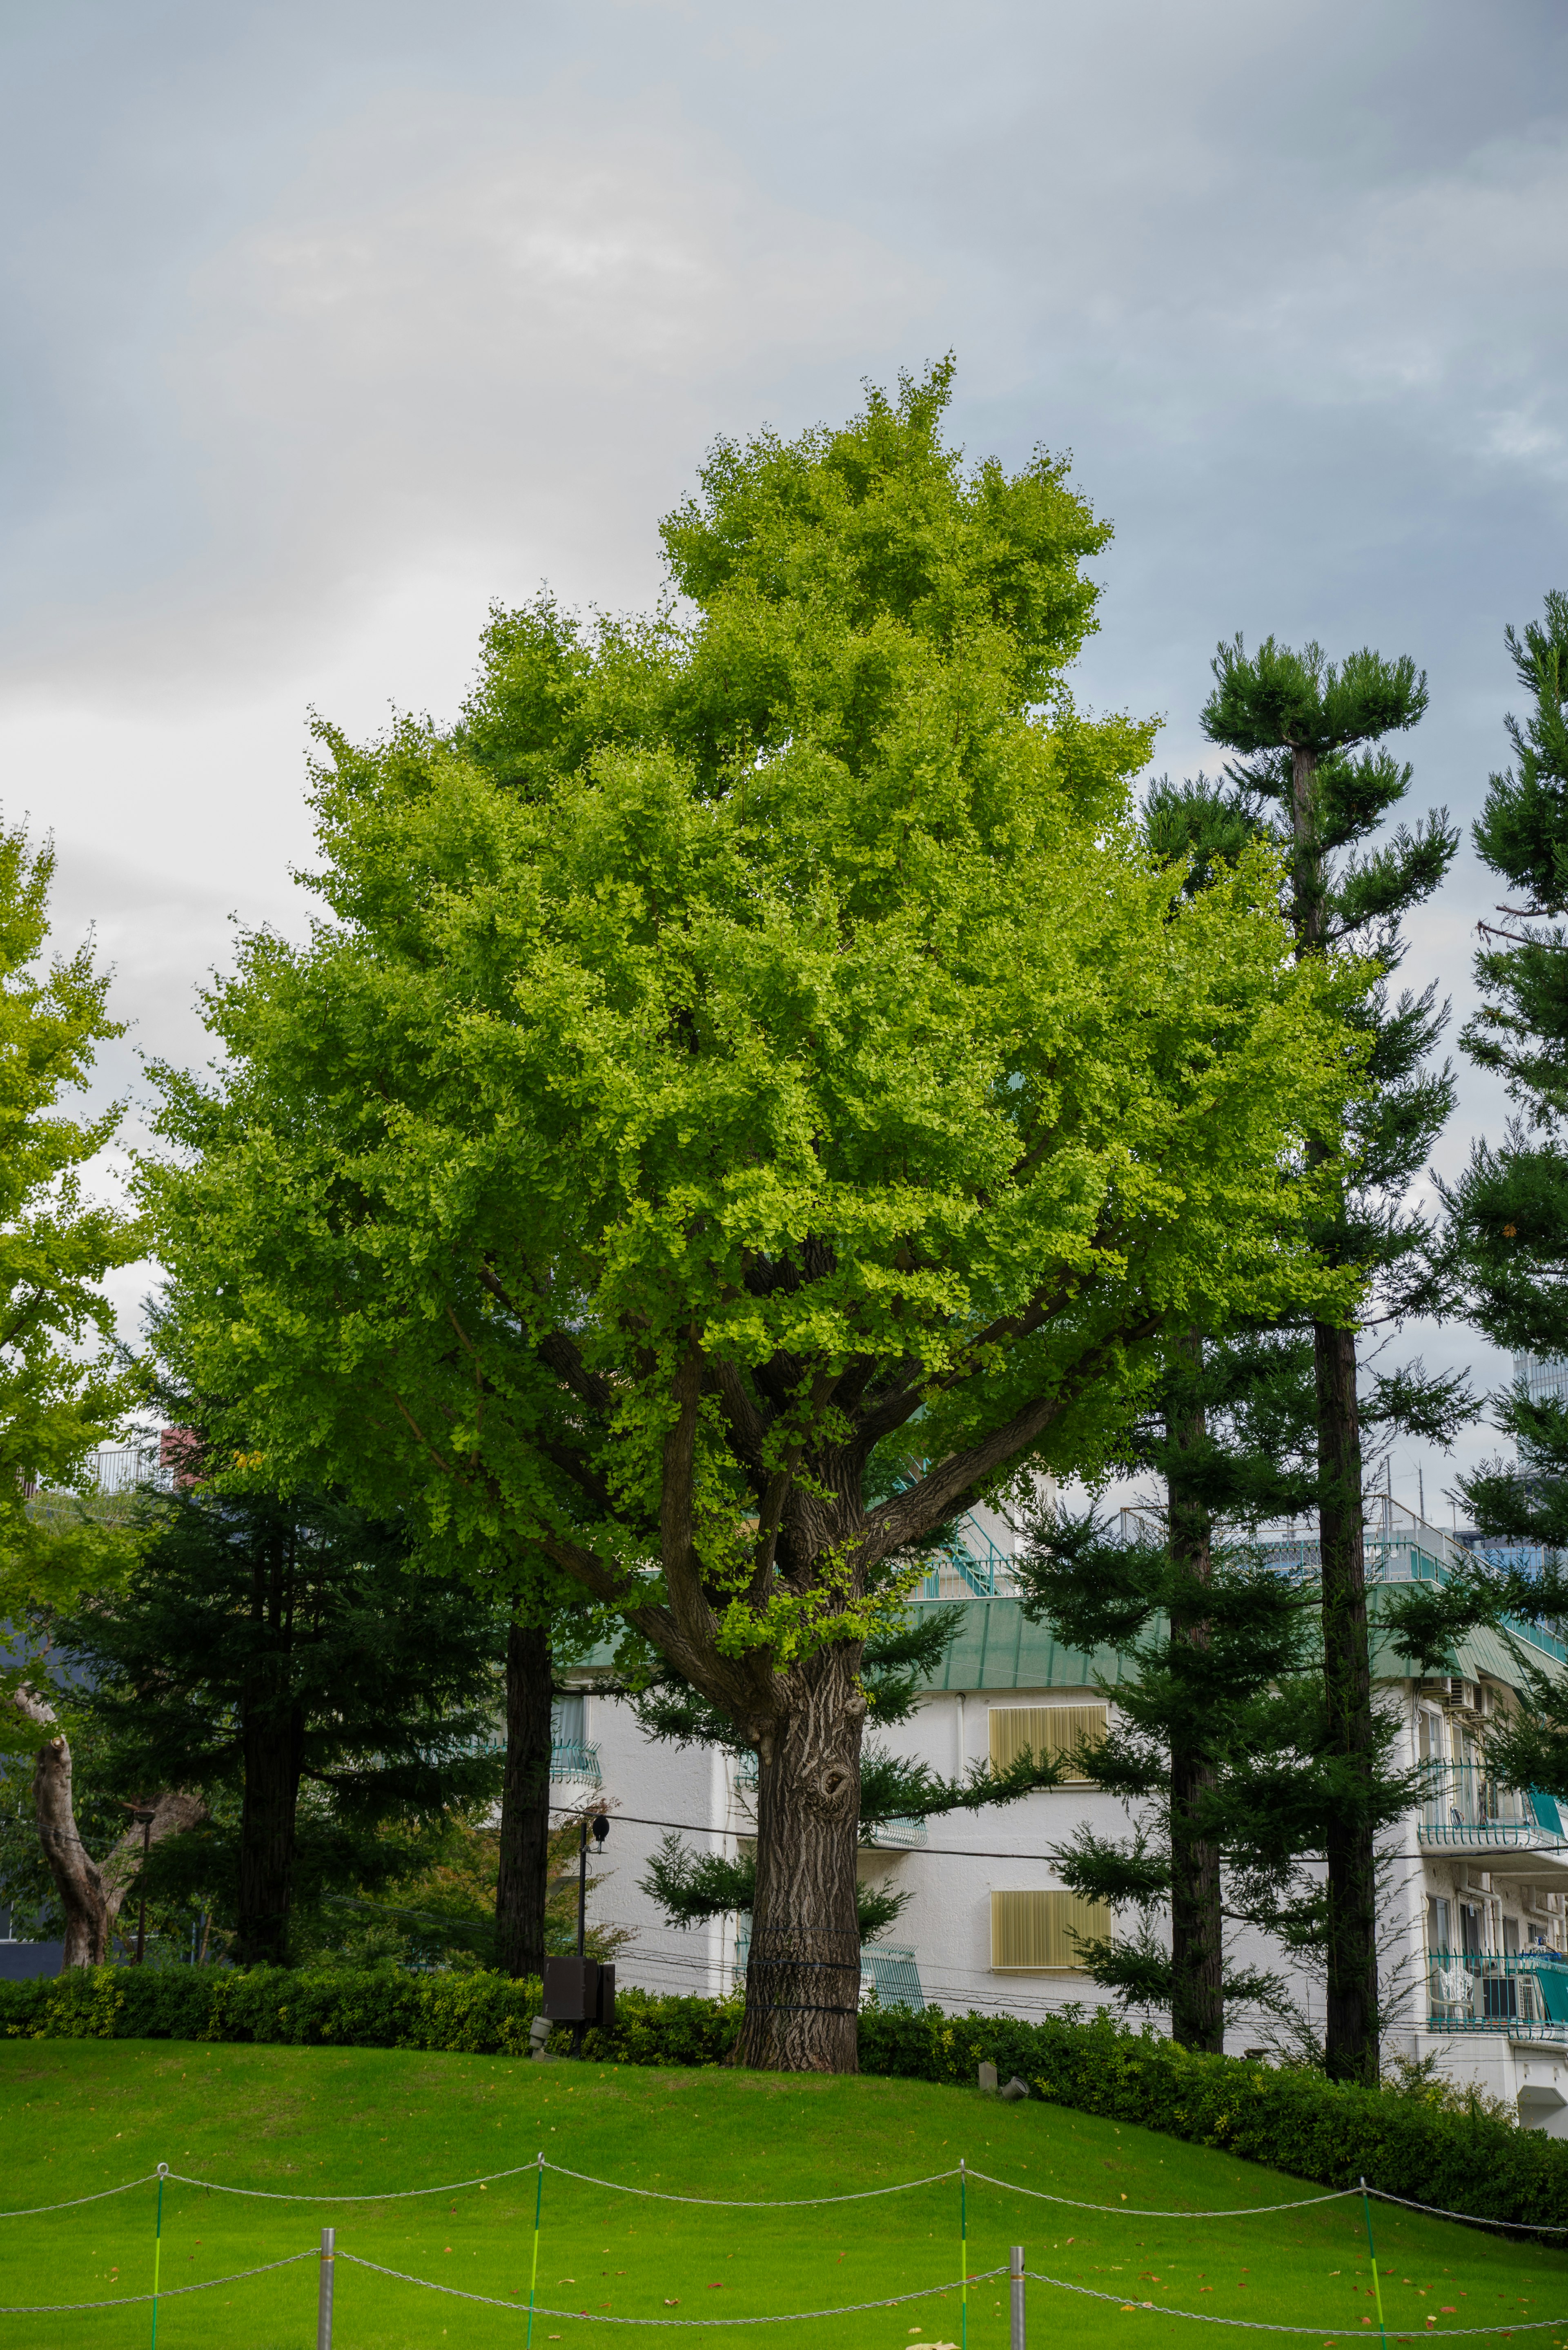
1047	1730
1038	1933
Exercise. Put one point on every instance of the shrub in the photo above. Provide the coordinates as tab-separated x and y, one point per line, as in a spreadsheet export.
1467	2160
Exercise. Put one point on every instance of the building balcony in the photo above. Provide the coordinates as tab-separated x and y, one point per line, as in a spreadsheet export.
1524	1995
1469	1815
575	1758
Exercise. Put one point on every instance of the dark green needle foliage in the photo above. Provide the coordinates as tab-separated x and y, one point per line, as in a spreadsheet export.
1220	1749
292	1656
1505	1240
1313	770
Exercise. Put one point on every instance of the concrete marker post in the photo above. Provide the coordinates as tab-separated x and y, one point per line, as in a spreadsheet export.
1018	2314
324	2291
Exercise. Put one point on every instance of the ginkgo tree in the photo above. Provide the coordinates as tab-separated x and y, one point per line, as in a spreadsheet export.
758	1033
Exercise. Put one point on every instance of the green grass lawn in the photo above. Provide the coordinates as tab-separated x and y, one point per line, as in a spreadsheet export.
83	2114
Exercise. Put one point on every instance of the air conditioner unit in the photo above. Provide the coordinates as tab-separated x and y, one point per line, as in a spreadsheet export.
1464	1696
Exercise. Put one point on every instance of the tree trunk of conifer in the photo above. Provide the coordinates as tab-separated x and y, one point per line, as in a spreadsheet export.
803	1970
1350	2041
273	1742
1197	1953
271	1736
522	1883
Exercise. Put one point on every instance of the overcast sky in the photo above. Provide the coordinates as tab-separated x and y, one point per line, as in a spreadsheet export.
326	324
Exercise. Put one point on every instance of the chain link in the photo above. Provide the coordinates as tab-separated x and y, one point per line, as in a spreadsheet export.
1262	2325
602	2317
128	2300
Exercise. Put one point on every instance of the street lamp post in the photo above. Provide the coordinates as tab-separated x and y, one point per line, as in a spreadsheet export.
143	1819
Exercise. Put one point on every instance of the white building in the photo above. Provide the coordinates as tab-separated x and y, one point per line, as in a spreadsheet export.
1474	1966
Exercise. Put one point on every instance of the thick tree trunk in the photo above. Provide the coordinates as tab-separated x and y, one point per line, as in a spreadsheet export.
523	1884
274	1751
90	1896
1197	1925
803	1970
1351	2042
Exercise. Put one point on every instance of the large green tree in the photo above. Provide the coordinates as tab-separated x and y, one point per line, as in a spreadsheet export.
1311	736
752	1028
61	1392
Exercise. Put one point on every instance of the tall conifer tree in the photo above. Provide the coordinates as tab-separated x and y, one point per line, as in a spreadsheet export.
1505	1243
1309	735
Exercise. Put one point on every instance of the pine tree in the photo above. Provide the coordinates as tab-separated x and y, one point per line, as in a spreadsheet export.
1504	1254
1309	735
294	1653
1508	1216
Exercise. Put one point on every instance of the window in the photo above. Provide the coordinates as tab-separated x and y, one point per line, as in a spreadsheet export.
568	1725
1039	1933
1047	1730
1437	1925
1470	1928
1429	1740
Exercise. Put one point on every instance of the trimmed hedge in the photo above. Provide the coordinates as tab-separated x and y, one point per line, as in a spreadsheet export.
1295	2121
475	2014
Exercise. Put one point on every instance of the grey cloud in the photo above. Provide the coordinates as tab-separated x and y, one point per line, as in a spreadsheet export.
333	320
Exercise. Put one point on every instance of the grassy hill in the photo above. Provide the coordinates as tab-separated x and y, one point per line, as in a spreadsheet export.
82	2115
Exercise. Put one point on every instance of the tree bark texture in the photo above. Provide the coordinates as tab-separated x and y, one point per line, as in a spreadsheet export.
90	1895
1351	2037
803	1969
271	1732
1197	1924
273	1740
522	1883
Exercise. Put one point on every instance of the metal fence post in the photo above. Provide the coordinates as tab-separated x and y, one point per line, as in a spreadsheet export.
324	2296
1015	2281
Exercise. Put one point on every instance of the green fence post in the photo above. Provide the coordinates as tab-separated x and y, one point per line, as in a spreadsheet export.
1377	2280
157	2249
534	2278
963	2256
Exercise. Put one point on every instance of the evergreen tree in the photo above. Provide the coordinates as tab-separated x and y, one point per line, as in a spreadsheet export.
292	1653
1504	1254
1507	1227
1309	735
1220	1749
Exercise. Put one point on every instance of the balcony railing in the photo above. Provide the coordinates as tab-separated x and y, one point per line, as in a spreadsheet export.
1468	1809
574	1757
1523	1994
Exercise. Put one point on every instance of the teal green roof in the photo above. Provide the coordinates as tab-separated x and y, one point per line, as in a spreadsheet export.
998	1648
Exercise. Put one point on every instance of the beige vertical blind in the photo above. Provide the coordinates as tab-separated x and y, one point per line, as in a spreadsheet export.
1036	1933
1047	1730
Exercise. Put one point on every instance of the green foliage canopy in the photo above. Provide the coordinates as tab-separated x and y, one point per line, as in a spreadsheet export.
61	1393
754	1027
